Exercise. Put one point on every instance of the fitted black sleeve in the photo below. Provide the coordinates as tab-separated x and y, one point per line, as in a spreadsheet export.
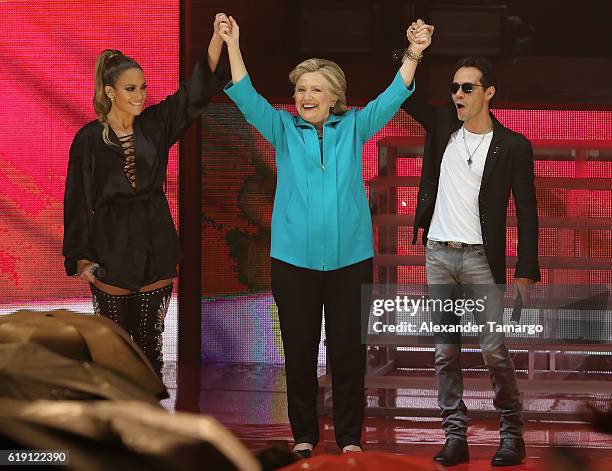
422	112
179	110
78	206
523	191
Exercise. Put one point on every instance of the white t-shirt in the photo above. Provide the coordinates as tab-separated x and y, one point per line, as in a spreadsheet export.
456	215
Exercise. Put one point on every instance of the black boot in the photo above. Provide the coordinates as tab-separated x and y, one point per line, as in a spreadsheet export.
511	451
455	451
151	309
119	308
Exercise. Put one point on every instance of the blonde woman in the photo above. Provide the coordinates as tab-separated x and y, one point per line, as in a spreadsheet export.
322	243
116	215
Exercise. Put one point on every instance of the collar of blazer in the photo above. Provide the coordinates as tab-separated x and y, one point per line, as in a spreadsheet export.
495	149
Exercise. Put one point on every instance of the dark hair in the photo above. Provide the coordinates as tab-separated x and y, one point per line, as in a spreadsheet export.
487	71
109	66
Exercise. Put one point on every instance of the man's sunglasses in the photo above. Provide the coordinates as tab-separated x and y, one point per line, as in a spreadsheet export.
467	87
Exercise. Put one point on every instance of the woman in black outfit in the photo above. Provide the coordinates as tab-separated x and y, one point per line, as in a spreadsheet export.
116	215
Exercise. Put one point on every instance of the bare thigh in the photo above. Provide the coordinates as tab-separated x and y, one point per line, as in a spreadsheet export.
116	290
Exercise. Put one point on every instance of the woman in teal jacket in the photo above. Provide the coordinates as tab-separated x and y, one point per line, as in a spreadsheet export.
322	243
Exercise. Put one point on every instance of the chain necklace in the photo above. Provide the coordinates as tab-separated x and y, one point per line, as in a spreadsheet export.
472	154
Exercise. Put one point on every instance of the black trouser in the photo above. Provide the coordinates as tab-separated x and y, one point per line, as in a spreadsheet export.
141	315
300	296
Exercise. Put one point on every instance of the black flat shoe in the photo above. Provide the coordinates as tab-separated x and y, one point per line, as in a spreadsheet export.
511	451
455	451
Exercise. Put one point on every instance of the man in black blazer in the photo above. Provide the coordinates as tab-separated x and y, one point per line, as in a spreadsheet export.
471	163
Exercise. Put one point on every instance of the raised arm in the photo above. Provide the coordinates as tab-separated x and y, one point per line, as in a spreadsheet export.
179	110
416	106
255	108
216	42
421	111
230	32
419	36
379	111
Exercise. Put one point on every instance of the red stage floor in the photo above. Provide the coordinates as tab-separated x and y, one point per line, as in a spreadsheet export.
250	401
413	442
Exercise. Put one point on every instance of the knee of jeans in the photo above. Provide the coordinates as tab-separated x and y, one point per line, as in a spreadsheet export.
492	342
495	356
446	353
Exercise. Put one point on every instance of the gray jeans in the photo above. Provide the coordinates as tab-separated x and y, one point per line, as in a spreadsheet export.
454	273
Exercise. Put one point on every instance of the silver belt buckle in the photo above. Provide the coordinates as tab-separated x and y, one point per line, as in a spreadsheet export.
432	244
455	245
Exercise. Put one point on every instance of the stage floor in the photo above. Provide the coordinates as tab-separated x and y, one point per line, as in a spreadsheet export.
250	401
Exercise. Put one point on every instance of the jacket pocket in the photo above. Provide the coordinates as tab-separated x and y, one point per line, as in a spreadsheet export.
353	215
289	210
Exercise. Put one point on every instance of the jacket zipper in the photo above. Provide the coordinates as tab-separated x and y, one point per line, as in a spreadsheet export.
321	147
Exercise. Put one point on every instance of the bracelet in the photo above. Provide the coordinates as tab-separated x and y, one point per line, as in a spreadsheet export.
413	56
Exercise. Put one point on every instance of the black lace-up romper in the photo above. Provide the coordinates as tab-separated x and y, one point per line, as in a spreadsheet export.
115	209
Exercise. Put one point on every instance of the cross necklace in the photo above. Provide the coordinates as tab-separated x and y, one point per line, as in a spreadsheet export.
472	154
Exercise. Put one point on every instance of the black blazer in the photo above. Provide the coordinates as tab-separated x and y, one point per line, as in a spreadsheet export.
130	233
509	167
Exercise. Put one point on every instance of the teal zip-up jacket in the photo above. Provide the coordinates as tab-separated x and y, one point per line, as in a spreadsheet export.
321	218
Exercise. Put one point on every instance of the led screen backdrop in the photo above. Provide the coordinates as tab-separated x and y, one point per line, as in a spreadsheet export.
48	50
239	321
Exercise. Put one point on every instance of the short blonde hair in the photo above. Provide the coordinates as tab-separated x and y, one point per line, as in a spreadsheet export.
332	73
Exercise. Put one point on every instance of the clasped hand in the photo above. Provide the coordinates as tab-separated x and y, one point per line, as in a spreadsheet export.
419	35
